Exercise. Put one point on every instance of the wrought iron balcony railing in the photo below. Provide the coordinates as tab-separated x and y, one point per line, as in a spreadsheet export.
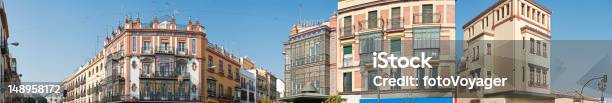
427	18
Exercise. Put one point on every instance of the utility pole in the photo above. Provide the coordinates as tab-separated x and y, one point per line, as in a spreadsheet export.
382	34
602	86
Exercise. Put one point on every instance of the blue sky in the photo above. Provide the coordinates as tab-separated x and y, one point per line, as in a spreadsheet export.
56	37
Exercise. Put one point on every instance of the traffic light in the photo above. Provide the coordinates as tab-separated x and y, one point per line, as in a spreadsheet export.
64	93
605	78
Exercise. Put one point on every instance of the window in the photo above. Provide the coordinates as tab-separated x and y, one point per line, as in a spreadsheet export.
211	87
497	14
395	17
531	75
508	8
368	43
433	73
146	68
164	67
229	71
545	50
538	16
348	56
522	8
193	45
133	43
221	69
503	12
475	74
348	26
538	72
427	40
420	75
210	63
396	73
237	73
221	90
427	13
372	19
528	11
371	75
146	45
347	79
538	48
164	46
544	78
531	48
482	24
486	21
181	47
475	52
181	69
488	48
396	47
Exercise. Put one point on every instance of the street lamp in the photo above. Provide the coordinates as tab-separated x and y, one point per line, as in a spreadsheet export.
15	43
602	86
382	34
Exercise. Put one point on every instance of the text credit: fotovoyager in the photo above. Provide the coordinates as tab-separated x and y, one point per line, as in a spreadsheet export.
385	60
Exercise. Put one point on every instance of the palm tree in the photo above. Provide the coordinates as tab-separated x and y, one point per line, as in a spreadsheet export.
333	99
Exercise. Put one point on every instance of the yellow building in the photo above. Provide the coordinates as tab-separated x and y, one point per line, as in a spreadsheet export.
510	39
221	78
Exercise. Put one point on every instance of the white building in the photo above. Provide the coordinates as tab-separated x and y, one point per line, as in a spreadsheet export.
280	88
247	86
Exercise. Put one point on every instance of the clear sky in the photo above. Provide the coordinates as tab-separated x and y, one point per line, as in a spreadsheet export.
57	36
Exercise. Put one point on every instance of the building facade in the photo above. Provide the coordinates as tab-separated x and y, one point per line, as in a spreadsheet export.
8	64
247	86
265	84
307	59
224	72
85	85
510	39
159	61
399	27
247	81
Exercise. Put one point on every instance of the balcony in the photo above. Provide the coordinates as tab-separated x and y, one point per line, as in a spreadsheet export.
147	51
164	50
395	25
370	25
537	84
347	32
164	74
182	52
434	18
117	55
116	98
185	97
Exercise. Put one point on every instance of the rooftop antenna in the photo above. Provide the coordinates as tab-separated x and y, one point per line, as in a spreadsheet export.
300	11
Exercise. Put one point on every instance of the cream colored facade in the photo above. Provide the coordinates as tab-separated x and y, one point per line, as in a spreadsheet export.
510	39
398	27
85	85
